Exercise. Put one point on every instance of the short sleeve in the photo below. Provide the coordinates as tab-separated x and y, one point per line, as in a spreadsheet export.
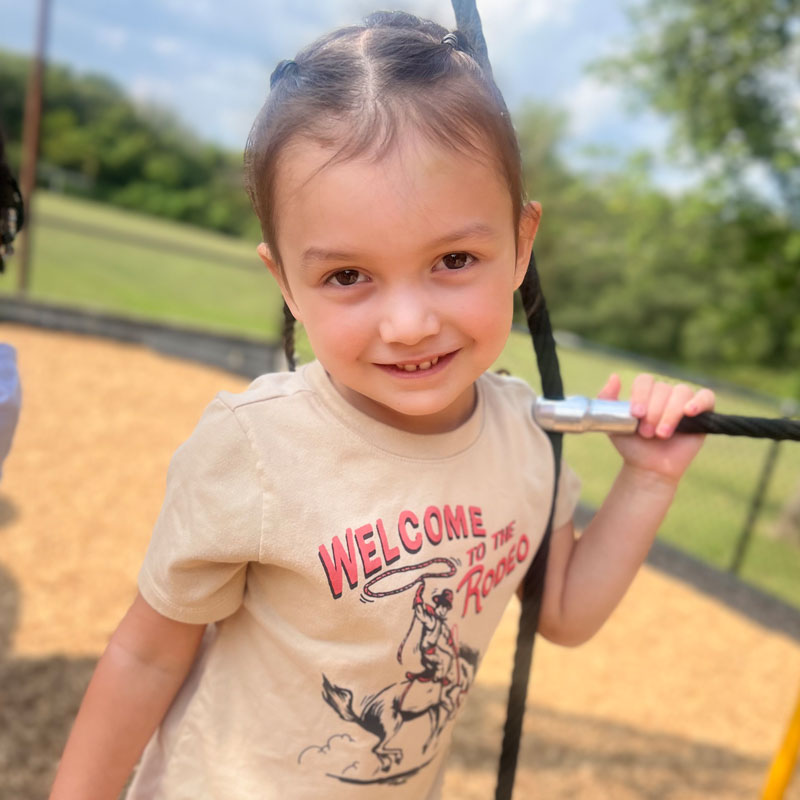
209	527
520	396
569	491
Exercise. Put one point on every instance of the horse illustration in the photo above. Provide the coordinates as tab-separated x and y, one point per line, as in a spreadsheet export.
383	714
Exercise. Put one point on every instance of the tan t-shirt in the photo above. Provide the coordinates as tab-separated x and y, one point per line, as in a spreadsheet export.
355	574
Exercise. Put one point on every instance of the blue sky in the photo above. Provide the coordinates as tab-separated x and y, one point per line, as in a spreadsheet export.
209	61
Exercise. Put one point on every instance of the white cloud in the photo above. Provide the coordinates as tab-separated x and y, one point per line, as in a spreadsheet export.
500	18
112	37
204	10
525	15
221	99
167	45
590	104
351	12
234	123
649	130
227	76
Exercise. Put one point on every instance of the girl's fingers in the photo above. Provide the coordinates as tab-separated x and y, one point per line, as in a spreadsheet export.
640	394
659	397
659	405
611	390
702	401
673	410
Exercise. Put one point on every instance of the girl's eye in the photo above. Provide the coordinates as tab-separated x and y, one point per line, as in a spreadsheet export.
457	260
346	277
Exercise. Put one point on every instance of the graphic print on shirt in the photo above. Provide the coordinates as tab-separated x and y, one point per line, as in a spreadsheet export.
393	733
435	691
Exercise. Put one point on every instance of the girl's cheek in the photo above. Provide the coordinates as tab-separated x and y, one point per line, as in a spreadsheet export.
346	332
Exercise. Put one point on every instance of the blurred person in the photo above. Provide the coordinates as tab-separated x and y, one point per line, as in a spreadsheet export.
11	220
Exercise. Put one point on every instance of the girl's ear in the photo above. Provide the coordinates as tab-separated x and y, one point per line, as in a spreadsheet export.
265	255
528	225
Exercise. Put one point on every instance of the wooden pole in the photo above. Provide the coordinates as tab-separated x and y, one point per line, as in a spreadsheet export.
30	141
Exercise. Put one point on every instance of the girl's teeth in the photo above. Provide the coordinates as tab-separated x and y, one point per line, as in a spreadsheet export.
423	365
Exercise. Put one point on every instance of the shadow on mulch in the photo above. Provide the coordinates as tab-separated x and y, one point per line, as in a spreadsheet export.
764	609
567	755
38	702
8	513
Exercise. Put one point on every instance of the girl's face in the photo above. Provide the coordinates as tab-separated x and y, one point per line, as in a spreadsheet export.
402	271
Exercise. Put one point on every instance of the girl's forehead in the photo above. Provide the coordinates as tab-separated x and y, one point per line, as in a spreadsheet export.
414	176
409	154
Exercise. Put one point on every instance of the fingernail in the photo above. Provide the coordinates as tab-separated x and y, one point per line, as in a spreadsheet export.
664	430
645	429
638	410
692	408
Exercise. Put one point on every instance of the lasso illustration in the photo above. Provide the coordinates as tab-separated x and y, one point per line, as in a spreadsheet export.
367	590
451	567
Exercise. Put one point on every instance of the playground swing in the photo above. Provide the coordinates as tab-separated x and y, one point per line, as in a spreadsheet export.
780	772
556	416
579	415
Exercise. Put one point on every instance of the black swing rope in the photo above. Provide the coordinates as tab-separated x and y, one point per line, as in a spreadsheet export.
734	425
533	583
538	321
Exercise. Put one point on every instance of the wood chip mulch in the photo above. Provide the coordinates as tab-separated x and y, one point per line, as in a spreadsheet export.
679	697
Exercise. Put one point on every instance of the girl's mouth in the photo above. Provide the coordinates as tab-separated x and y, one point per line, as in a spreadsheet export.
419	368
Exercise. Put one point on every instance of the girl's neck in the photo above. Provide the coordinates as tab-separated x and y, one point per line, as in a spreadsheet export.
444	421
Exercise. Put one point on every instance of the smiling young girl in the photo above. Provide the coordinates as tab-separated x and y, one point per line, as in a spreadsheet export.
338	544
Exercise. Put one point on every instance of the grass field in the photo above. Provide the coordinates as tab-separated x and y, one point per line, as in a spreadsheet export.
152	269
137	269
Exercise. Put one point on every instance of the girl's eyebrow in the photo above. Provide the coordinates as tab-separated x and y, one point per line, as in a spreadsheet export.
312	255
475	230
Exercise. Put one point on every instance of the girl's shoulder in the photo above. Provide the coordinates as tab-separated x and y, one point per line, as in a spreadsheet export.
268	387
508	387
508	400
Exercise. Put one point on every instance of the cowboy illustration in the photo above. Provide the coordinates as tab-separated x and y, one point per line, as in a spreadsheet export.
435	692
437	645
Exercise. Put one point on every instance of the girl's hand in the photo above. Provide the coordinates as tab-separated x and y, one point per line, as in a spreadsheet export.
659	406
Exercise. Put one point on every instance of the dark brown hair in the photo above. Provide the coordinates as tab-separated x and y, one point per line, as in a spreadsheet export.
355	89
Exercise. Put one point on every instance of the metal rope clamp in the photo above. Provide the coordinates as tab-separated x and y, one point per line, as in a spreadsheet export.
579	414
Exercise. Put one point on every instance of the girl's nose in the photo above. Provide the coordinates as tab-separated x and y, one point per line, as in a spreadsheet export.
408	318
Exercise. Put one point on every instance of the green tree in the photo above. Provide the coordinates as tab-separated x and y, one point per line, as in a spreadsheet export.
140	157
727	75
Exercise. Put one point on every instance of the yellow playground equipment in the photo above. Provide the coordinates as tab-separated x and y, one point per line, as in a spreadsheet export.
780	773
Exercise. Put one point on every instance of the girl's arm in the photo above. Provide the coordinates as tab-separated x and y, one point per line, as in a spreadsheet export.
586	578
134	683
